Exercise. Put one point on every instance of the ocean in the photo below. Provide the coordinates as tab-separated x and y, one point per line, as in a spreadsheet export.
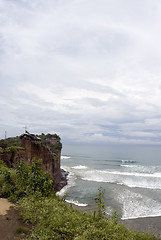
130	175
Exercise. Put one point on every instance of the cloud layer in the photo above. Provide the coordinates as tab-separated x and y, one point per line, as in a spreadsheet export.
87	70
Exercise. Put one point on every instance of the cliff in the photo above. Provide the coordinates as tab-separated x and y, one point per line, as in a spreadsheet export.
44	147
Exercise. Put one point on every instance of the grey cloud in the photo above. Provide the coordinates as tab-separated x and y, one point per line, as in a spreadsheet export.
86	69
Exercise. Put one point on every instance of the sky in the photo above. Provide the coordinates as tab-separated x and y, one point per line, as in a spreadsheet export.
88	70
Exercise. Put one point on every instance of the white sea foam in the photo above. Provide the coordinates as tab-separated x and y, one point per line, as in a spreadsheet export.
157	174
139	216
143	169
128	166
71	178
136	205
65	157
130	179
128	161
77	203
132	185
79	167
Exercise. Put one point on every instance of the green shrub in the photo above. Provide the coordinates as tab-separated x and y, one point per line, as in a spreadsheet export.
21	230
53	219
13	150
101	207
6	183
3	143
24	180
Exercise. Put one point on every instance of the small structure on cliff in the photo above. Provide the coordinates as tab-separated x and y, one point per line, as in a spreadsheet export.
29	136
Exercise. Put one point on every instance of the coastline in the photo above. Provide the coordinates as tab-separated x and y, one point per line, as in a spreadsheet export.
144	225
62	180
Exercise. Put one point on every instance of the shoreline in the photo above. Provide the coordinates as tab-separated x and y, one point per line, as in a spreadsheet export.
62	180
144	224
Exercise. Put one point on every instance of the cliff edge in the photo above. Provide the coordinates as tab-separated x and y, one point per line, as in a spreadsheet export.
28	146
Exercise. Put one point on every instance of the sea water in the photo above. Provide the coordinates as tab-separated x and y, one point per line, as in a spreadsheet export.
130	175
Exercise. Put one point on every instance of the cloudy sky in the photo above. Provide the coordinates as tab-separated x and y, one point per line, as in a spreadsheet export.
89	70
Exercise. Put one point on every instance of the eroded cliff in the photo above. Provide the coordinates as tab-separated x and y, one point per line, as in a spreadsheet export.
44	147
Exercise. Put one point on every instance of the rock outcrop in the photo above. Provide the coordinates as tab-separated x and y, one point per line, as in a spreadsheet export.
47	148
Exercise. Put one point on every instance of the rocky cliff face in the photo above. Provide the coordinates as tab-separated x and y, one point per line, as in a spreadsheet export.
35	147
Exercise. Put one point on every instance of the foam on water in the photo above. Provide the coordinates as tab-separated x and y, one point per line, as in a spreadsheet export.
77	203
65	157
80	167
71	178
142	169
130	179
128	161
136	205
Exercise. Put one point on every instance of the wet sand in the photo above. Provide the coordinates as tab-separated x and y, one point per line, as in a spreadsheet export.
148	224
143	225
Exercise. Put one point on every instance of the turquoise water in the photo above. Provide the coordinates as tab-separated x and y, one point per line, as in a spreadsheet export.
130	175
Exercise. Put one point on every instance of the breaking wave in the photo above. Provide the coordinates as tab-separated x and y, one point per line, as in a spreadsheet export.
128	161
65	157
71	178
130	179
79	167
77	203
136	205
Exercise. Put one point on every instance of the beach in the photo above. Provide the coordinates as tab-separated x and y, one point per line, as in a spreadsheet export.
148	224
143	225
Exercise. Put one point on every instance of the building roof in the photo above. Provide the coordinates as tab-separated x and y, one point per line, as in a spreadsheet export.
30	136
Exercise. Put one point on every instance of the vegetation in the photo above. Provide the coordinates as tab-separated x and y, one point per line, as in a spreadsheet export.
51	218
3	143
52	141
101	207
13	150
1	151
14	141
24	181
21	230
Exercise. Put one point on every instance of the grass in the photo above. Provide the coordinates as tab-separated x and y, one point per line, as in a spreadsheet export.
51	218
21	230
